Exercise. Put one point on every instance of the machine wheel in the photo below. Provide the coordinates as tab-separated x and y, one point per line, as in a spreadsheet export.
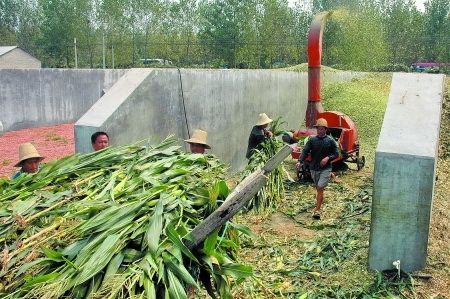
360	162
304	175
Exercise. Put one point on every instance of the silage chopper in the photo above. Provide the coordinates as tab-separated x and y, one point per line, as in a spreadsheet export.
340	126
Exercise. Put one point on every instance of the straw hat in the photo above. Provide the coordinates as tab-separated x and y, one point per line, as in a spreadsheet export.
263	119
27	151
199	137
321	122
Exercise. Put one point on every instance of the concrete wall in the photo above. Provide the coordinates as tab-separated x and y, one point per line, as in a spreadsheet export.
225	103
32	98
19	59
405	165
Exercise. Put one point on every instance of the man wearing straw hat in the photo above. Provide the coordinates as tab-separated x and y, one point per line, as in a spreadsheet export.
29	159
323	150
197	142
258	134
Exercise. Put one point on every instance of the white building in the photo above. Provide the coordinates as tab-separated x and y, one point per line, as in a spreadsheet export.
14	57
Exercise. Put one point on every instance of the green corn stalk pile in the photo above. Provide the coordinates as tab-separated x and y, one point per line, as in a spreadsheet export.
270	195
110	225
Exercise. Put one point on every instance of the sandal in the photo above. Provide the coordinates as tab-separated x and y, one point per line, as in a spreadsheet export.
316	215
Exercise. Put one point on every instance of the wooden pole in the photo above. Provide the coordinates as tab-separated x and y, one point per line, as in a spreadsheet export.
76	56
236	200
279	157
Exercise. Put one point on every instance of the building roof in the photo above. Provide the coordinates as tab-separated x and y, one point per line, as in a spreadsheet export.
4	50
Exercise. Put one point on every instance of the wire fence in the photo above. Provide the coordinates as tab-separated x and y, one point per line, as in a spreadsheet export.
181	54
212	54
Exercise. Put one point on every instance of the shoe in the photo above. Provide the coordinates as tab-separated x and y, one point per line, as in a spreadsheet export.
316	215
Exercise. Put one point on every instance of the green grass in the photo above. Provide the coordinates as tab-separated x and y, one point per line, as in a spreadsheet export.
364	101
303	67
326	259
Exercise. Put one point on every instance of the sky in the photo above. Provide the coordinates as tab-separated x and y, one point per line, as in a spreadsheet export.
419	3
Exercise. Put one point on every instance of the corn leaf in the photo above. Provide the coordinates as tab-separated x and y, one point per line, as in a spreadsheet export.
210	243
175	238
179	269
236	270
39	279
176	289
155	228
98	260
149	287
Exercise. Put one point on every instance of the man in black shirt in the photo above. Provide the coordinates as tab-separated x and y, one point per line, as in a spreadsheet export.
258	134
323	150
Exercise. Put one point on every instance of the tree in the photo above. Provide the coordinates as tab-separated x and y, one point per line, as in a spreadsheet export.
299	32
112	24
181	24
28	28
403	27
437	30
361	44
84	30
221	28
58	30
275	31
9	15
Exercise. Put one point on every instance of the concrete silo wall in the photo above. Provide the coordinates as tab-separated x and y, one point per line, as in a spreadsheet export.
34	98
153	103
404	175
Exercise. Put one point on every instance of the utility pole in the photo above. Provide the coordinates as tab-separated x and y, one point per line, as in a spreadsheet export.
76	56
104	54
112	54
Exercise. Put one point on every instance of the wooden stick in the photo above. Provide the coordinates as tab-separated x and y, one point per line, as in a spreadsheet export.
236	200
279	157
228	209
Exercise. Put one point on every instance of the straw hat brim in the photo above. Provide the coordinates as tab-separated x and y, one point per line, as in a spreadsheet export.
30	156
267	121
195	140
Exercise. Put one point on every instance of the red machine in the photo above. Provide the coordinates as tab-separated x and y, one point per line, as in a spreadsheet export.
340	126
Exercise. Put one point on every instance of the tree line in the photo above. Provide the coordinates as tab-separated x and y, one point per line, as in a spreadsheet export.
361	34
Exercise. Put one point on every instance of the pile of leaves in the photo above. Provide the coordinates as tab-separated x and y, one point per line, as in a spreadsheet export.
111	224
271	194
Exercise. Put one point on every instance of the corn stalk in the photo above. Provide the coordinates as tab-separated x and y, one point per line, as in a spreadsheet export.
270	195
111	225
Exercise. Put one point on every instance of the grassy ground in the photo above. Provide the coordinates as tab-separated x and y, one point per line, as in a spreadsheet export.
295	257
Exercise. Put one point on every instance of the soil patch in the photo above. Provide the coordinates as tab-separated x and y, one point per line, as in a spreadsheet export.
283	226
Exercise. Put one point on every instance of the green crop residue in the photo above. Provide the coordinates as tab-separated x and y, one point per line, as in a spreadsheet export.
297	257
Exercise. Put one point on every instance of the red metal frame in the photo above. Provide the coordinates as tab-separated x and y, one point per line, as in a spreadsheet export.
338	123
314	63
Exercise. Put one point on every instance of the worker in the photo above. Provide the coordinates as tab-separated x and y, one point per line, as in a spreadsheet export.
29	160
197	143
99	140
323	150
295	136
259	133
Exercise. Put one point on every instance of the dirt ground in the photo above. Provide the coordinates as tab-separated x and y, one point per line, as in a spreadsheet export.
284	237
291	253
52	142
